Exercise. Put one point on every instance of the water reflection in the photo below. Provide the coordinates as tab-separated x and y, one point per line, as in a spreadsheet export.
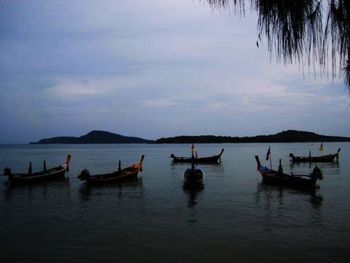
30	190
285	207
133	188
316	200
270	192
329	168
192	190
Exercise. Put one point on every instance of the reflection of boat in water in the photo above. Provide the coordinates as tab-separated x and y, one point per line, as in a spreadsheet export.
192	190
40	190
193	183
128	173
306	182
51	174
127	188
314	159
277	192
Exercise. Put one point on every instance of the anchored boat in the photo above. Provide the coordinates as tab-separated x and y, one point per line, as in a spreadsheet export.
125	174
215	159
51	174
307	182
315	159
193	176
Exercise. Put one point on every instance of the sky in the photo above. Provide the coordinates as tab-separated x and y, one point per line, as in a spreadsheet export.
151	69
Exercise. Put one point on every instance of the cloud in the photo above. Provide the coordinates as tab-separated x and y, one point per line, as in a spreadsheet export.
150	69
160	103
81	89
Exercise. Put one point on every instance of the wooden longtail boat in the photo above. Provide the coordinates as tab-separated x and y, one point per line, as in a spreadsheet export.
215	159
315	159
55	173
193	176
306	182
127	173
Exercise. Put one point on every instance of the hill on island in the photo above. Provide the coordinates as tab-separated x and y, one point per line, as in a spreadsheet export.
108	137
285	136
93	137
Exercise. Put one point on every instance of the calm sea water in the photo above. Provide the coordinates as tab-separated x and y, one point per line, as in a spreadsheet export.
233	218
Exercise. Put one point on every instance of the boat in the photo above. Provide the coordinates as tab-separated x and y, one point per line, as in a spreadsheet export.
51	174
315	159
307	182
193	176
215	159
120	175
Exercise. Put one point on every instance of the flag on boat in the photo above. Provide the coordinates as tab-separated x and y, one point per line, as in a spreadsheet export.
321	147
268	154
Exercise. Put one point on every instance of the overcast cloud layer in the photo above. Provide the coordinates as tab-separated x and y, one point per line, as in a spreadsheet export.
151	69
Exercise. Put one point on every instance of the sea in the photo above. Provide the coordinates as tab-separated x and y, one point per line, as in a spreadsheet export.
233	217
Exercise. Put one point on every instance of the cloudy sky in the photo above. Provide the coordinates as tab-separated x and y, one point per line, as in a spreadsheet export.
151	69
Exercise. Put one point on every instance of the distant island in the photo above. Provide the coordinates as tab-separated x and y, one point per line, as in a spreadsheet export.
285	136
100	137
93	137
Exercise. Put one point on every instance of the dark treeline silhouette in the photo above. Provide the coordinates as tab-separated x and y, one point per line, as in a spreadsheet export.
108	137
285	136
303	30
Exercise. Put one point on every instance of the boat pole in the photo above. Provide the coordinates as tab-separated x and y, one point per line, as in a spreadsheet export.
30	168
337	157
280	168
192	156
270	162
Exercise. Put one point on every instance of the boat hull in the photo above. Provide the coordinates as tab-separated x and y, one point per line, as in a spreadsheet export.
304	182
126	174
215	159
193	176
329	158
53	174
112	178
319	159
272	177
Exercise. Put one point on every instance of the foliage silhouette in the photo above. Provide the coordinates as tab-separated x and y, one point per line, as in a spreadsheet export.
311	31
